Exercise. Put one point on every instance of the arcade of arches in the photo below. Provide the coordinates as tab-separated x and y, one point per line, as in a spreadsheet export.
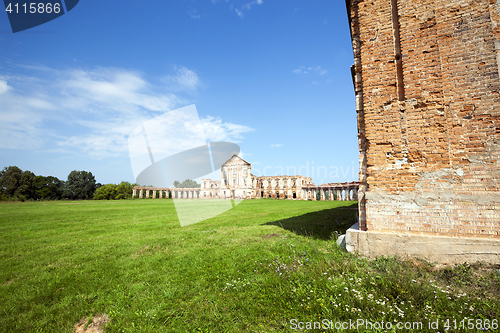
239	183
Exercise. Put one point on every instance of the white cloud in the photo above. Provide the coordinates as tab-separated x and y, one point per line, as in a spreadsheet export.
247	6
4	87
183	78
193	13
277	145
216	130
318	70
321	71
21	117
91	112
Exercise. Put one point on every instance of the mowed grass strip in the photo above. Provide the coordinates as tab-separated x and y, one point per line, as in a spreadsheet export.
252	269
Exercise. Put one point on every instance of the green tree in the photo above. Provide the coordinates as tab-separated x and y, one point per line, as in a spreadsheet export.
10	178
26	188
48	188
80	185
124	190
106	192
188	183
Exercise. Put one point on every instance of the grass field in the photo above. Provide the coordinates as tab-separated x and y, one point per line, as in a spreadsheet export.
254	268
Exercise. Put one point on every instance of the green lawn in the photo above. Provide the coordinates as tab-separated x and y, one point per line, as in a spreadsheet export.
252	269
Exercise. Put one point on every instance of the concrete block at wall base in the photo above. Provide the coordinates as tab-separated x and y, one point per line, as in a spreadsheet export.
438	249
341	241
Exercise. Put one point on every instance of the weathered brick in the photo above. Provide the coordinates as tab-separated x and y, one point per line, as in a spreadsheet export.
439	145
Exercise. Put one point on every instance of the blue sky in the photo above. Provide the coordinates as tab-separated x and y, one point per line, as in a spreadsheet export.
271	76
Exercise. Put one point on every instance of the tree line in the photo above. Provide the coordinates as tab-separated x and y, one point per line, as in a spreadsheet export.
19	185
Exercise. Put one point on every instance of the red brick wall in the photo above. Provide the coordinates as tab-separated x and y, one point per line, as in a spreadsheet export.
431	160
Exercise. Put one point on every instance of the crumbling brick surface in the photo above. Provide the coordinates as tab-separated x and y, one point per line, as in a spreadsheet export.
429	131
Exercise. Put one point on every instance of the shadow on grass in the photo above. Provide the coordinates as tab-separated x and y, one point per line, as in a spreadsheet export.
323	224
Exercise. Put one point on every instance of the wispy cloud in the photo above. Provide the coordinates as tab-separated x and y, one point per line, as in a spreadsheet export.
276	145
240	10
91	112
4	87
249	5
193	13
318	70
183	78
217	130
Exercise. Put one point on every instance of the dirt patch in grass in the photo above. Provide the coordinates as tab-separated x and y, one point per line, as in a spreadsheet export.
85	325
270	235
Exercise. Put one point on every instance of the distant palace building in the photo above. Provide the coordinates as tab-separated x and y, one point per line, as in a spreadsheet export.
239	183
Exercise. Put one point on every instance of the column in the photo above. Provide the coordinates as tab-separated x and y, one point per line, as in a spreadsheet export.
154	194
355	194
133	193
339	194
322	194
313	194
147	194
140	193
